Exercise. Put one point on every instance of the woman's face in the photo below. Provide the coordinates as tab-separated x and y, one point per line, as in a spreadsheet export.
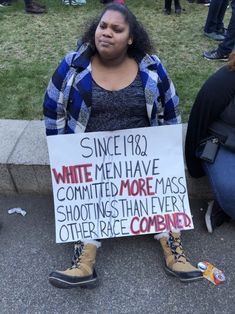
112	35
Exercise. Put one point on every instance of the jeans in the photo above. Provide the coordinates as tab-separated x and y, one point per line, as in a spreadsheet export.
216	12
227	45
221	175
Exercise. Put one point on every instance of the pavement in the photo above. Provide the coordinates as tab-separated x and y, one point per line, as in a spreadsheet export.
130	270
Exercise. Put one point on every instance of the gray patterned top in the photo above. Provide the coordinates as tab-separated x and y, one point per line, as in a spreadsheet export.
116	110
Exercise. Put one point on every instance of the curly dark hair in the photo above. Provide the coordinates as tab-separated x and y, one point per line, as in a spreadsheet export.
141	41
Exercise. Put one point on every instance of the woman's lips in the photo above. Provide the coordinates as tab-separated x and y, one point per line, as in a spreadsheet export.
105	43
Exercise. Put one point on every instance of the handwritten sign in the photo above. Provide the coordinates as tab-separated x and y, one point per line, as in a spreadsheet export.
120	183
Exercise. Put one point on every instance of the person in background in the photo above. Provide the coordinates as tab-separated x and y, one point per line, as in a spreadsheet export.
113	83
221	53
167	7
214	26
30	6
215	102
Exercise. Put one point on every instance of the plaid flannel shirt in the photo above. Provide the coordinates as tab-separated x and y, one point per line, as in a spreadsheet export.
68	98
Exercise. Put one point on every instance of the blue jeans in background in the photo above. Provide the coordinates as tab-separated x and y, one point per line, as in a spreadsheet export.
216	12
227	45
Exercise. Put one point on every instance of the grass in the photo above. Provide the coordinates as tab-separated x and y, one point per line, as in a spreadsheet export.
32	45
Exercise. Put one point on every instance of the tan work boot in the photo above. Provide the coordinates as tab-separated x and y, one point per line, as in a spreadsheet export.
176	262
82	273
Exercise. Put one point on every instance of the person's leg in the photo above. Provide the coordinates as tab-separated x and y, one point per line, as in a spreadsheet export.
177	7
220	17
226	47
176	263
212	16
82	273
167	7
221	175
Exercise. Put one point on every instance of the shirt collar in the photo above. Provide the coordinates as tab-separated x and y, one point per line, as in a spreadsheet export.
83	57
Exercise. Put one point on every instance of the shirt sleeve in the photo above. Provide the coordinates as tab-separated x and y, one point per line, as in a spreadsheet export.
54	105
169	99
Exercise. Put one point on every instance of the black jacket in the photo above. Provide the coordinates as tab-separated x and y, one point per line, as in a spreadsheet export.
210	102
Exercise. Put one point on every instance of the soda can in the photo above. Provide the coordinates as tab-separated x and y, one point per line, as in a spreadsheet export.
219	277
211	273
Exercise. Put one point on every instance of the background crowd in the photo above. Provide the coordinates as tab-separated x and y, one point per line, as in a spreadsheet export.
37	8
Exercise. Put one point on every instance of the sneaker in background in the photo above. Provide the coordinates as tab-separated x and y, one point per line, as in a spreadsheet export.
66	2
5	3
40	5
73	3
222	31
215	56
215	216
78	2
215	36
35	9
167	11
205	2
81	2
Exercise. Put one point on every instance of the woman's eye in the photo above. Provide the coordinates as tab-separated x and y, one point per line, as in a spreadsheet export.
117	30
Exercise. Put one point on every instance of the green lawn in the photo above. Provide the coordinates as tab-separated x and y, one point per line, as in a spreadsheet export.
32	45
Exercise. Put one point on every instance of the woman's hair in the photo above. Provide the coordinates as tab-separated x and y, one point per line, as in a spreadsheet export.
231	61
141	42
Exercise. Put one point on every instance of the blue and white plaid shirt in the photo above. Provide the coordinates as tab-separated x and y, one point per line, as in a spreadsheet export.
68	98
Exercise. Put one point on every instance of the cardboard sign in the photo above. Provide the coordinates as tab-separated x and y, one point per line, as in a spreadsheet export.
120	183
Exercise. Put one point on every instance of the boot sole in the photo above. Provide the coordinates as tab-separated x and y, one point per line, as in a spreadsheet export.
62	284
65	284
170	272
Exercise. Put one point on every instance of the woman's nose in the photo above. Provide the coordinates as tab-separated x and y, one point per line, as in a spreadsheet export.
107	32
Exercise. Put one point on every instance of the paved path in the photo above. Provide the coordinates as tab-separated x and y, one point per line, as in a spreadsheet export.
130	269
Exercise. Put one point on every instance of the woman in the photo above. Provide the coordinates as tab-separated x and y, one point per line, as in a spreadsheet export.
112	69
214	102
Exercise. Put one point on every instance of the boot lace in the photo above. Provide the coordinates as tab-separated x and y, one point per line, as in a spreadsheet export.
78	250
175	245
